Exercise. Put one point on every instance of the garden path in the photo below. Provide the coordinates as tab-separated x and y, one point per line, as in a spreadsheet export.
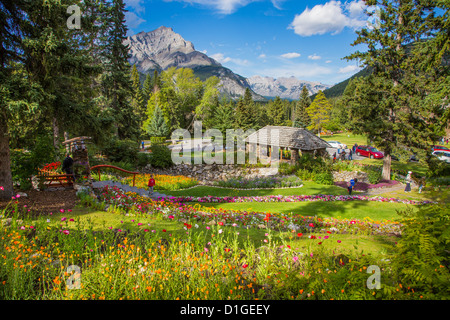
127	188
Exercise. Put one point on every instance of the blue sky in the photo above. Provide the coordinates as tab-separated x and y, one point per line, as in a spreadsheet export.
276	38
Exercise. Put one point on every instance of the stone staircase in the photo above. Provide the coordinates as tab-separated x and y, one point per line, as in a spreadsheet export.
127	188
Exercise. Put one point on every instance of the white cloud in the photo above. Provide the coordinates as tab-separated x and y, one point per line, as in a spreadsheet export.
331	17
136	5
349	69
328	61
132	20
291	55
314	57
220	57
262	56
226	6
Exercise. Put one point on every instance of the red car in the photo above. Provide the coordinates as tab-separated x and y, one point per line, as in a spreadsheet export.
368	151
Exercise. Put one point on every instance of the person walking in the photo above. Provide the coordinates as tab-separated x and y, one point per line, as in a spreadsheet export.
350	154
151	184
142	145
334	156
354	147
408	182
351	186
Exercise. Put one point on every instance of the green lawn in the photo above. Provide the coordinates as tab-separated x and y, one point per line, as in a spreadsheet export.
336	209
309	188
98	220
347	138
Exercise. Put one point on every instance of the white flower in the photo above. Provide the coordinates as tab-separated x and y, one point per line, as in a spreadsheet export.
220	231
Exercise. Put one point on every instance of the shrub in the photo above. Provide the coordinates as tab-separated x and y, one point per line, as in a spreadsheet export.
143	159
325	178
374	176
421	259
121	150
161	156
286	168
157	140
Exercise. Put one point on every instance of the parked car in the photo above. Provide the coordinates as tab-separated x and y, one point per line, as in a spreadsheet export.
439	148
337	144
368	151
442	155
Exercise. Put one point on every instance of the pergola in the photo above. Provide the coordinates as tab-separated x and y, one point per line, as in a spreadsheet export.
289	138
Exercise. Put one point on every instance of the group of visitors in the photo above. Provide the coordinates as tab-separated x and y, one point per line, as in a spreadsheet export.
343	155
444	140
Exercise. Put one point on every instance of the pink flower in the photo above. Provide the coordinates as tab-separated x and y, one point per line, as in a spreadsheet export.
295	259
66	231
17	196
69	210
1	188
71	220
61	210
339	241
63	219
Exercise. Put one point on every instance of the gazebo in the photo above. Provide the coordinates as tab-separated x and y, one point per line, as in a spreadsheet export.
289	138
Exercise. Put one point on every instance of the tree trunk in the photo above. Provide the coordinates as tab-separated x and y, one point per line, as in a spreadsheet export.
386	174
66	137
6	181
55	135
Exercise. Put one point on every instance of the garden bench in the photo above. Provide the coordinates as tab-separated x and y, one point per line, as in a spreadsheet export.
63	180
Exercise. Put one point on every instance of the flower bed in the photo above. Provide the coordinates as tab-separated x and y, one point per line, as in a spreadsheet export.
292	198
362	186
260	183
162	182
175	209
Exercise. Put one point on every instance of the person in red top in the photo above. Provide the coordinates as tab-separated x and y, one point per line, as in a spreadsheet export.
151	184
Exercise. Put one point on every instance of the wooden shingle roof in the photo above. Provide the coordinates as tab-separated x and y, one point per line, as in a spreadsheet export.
289	137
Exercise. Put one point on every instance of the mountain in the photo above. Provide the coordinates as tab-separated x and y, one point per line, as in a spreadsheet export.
162	49
338	89
285	88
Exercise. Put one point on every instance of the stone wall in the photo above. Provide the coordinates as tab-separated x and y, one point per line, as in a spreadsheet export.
348	175
207	174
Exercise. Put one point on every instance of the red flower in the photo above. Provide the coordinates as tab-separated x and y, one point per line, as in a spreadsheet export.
328	231
164	230
311	225
220	223
244	265
299	234
188	225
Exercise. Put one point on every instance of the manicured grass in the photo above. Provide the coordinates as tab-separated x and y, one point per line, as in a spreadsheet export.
309	188
415	167
347	138
336	209
85	218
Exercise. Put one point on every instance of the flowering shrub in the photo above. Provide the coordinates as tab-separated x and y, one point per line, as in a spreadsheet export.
260	183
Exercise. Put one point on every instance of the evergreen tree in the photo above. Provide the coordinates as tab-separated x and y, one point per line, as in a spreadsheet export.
147	88
223	116
137	101
319	112
157	126
276	112
393	105
116	83
301	117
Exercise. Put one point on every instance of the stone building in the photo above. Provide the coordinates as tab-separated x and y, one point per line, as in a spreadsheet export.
295	140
